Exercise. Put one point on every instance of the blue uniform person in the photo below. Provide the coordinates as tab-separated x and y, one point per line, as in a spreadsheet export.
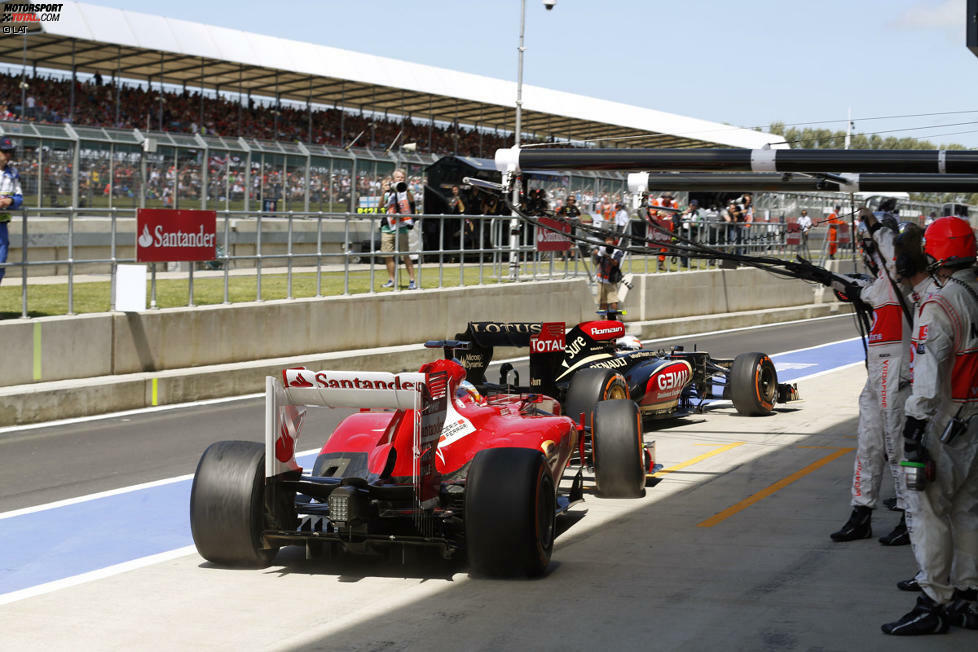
11	195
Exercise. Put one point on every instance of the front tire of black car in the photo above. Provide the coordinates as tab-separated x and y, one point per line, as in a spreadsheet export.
227	505
510	513
753	384
590	386
616	439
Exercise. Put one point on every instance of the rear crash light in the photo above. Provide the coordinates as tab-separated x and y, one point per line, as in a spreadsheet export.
347	505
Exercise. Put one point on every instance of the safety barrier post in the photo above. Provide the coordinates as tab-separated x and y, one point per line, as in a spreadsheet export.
71	262
319	255
114	264
23	264
258	230
288	280
227	259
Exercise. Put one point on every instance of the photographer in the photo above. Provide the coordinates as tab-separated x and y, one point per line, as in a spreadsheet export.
394	227
608	261
455	203
570	211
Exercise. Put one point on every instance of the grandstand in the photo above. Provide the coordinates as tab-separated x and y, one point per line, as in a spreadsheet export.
162	74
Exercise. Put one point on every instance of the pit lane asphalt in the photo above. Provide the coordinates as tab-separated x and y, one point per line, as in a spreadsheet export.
729	551
42	465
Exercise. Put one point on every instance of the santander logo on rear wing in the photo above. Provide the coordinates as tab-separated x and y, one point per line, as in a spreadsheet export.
288	396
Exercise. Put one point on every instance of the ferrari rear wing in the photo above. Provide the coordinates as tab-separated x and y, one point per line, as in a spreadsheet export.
287	398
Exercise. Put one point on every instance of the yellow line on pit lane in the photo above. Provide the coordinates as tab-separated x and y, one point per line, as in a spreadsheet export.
699	458
777	486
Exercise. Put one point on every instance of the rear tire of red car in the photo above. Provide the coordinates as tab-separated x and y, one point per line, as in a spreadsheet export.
753	384
227	505
619	457
588	387
510	513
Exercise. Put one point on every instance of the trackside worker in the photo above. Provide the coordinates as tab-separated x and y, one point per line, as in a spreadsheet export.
941	437
608	260
663	219
11	195
834	222
880	427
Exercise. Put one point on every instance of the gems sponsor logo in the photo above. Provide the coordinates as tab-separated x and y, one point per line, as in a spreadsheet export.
667	383
673	379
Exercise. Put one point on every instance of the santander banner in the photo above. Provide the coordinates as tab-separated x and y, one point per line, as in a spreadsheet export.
169	235
548	240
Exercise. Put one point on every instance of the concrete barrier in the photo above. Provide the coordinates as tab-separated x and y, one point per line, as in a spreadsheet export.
64	399
58	348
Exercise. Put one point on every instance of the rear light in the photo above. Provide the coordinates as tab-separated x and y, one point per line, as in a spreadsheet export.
347	505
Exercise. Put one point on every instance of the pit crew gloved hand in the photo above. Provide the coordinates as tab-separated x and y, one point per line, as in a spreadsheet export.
917	465
846	287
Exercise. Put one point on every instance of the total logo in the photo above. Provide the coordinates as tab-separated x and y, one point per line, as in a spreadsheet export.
547	345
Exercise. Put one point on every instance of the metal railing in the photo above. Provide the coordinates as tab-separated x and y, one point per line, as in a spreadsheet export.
344	248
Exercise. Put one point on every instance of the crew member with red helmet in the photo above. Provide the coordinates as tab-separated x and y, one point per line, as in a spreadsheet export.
941	435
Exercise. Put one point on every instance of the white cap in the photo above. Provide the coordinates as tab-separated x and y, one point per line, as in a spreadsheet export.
508	160
638	182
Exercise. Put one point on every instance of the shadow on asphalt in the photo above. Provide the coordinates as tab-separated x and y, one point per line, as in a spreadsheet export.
654	577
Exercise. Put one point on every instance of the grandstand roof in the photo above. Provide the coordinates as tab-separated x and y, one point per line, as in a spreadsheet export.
146	46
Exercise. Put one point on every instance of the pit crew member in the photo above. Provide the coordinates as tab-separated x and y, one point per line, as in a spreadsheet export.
941	437
880	426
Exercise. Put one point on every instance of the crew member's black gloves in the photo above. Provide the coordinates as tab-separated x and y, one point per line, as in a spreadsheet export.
913	435
846	288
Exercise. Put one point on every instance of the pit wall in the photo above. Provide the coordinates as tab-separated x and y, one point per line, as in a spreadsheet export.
108	344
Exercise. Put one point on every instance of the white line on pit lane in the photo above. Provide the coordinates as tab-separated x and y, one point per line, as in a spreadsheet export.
126	413
112	492
142	562
91	576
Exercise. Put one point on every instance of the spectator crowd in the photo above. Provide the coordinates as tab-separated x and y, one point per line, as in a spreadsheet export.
48	99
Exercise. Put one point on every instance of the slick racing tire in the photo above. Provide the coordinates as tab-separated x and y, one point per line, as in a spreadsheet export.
619	457
588	387
227	505
753	384
510	513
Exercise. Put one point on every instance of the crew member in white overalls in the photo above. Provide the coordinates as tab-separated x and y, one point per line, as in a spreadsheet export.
941	436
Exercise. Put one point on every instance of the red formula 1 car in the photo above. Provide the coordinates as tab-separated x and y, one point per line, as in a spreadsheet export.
431	463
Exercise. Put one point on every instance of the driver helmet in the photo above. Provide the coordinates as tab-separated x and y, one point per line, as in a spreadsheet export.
950	242
467	389
628	343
